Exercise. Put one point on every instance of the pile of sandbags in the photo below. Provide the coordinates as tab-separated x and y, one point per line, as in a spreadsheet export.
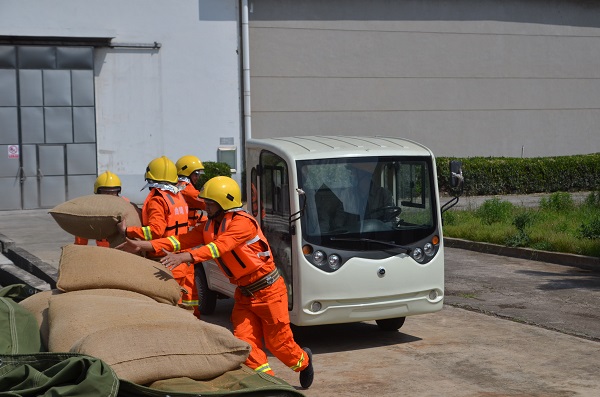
95	217
122	308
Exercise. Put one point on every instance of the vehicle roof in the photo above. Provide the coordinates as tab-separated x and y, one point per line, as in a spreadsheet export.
318	146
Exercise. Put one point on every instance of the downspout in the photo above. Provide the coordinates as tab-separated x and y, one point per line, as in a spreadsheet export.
246	71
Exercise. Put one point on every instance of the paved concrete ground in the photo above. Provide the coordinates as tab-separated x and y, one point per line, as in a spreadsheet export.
522	346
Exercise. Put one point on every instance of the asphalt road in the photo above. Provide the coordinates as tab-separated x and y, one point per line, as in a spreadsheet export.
530	329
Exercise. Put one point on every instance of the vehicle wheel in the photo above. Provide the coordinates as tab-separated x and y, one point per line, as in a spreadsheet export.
391	324
207	299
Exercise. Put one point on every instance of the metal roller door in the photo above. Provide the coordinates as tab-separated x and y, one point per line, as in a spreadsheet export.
47	125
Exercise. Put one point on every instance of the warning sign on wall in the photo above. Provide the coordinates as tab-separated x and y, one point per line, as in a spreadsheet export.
13	151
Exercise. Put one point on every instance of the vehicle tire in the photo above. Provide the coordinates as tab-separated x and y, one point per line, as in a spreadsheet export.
390	324
207	298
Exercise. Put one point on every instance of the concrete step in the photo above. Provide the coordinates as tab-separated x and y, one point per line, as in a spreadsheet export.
13	274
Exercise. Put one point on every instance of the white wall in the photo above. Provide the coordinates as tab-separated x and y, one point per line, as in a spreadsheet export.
177	100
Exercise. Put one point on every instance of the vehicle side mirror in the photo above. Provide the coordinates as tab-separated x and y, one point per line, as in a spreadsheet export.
456	176
456	184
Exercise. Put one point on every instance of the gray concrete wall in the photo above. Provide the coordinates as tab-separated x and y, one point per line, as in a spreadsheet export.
466	78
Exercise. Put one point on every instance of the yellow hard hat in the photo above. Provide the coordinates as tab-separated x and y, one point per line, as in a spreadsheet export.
161	169
223	190
107	179
188	164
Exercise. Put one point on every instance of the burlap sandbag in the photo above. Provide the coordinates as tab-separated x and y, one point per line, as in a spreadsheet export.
90	267
143	341
74	315
96	216
37	304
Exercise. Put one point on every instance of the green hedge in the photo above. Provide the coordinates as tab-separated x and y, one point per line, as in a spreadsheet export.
212	169
506	175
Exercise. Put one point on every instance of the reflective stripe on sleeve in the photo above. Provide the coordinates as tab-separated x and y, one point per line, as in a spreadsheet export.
214	251
252	241
175	243
263	368
147	233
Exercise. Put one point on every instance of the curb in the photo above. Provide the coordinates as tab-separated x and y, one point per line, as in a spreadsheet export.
18	266
579	261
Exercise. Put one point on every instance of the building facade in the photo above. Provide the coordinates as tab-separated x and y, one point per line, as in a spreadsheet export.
89	86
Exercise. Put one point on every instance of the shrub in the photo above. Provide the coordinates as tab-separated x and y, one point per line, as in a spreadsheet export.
524	220
521	238
494	210
512	175
212	169
591	229
559	201
449	218
593	199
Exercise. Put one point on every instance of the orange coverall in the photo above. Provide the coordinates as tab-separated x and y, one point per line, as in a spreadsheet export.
195	215
85	241
195	204
165	214
239	247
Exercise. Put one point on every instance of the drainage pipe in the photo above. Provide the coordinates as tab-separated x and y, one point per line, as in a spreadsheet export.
246	71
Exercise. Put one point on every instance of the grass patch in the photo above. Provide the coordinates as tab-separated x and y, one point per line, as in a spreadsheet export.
557	224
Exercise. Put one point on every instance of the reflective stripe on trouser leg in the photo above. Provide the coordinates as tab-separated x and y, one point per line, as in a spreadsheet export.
181	274
270	320
190	286
247	327
191	298
279	338
266	368
189	283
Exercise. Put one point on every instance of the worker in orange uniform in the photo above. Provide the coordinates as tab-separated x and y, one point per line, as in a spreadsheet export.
233	239
106	183
164	214
189	169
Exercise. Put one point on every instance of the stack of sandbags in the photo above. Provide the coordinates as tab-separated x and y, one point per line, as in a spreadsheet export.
121	308
38	304
84	267
95	217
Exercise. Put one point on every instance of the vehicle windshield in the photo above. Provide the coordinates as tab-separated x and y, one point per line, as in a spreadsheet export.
368	202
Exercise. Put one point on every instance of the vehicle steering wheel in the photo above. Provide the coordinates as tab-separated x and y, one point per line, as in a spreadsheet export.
389	212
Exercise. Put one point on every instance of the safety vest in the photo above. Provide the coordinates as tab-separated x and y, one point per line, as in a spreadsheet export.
245	258
177	217
195	214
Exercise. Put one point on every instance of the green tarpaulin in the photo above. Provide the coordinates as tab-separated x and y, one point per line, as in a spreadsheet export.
25	370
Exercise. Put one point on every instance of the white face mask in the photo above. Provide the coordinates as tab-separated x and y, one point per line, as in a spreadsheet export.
161	186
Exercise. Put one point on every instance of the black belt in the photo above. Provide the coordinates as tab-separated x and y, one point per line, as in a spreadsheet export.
261	283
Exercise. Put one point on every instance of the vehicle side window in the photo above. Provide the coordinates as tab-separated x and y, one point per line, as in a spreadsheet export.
254	192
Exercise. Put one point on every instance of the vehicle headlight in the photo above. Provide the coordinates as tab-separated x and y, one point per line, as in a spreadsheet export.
334	261
319	257
429	249
417	254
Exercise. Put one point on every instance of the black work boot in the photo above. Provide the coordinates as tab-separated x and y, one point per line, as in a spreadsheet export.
308	373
